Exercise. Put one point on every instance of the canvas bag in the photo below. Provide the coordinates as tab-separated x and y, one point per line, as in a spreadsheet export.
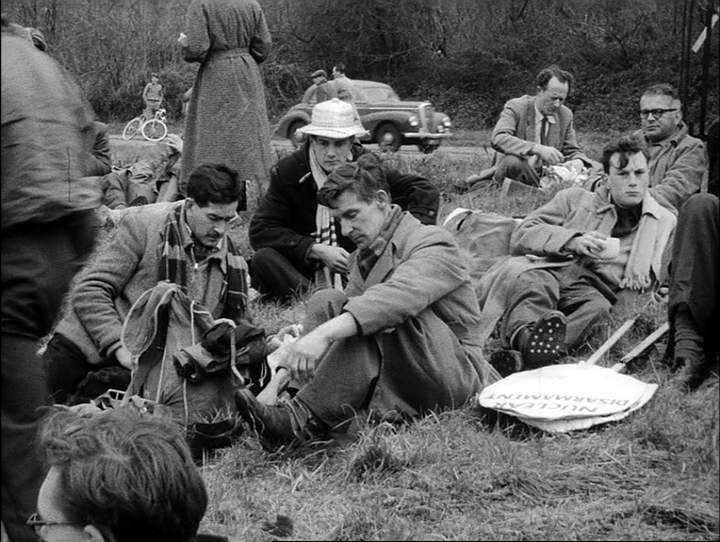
161	323
483	238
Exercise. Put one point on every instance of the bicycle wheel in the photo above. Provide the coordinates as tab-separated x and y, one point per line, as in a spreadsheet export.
132	128
154	130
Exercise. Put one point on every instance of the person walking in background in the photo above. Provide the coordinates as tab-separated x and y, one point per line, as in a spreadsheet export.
152	96
227	119
320	90
341	83
48	229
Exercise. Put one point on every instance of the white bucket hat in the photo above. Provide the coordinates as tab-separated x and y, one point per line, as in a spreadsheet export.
334	119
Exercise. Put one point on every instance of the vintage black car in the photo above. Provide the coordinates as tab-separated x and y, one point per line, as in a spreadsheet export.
390	121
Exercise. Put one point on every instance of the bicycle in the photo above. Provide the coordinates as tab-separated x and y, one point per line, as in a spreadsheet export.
153	129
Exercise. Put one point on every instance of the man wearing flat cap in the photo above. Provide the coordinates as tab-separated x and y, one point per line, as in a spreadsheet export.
320	90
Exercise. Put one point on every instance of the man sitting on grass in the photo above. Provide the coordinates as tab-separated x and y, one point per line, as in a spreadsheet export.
399	341
183	242
568	274
297	244
677	161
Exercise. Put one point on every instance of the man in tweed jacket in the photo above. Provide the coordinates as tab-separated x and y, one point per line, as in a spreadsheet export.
533	131
184	242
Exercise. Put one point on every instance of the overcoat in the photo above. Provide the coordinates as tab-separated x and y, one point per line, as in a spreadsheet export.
419	303
227	120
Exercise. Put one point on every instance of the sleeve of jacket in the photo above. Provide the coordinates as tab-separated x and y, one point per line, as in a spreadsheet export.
104	280
543	231
504	138
261	41
432	269
198	41
683	178
415	194
271	224
100	161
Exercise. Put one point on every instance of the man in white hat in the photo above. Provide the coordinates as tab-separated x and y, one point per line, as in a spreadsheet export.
296	241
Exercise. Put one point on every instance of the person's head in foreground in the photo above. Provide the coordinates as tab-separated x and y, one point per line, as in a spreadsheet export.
359	197
118	475
625	162
553	86
214	193
332	130
660	112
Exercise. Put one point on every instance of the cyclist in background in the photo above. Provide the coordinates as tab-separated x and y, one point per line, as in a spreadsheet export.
152	96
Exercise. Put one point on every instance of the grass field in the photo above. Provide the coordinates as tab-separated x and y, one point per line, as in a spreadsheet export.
469	474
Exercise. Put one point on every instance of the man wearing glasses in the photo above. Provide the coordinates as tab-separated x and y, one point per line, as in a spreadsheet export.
678	161
183	242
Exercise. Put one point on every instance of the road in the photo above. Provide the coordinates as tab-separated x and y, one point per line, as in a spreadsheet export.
116	141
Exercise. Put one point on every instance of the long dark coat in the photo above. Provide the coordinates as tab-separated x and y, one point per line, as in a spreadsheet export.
227	118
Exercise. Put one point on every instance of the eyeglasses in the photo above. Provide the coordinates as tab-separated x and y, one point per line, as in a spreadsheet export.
37	522
654	113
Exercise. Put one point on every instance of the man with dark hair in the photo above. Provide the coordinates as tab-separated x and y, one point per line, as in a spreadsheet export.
118	476
342	84
536	131
48	229
575	254
398	341
296	242
183	242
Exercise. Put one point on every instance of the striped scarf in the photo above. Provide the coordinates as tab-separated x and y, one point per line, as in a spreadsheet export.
174	267
368	257
324	228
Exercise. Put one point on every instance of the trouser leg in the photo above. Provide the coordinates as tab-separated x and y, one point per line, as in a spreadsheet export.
65	366
532	294
38	262
345	377
582	302
275	276
518	169
23	394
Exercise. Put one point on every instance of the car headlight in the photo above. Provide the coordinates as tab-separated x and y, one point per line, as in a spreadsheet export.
413	121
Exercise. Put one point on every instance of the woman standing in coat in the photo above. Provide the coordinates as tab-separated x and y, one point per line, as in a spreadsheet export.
227	116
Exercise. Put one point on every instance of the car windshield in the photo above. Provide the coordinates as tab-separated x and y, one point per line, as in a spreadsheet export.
377	94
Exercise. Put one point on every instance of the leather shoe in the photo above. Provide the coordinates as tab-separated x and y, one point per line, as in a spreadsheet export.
272	422
542	343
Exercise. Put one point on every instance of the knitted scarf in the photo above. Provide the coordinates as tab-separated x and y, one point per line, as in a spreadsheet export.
174	267
368	257
324	227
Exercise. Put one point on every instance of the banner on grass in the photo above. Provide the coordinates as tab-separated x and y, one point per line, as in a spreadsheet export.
560	398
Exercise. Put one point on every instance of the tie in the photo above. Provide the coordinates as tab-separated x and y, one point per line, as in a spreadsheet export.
543	130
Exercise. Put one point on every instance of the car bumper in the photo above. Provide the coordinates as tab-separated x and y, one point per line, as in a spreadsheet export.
426	135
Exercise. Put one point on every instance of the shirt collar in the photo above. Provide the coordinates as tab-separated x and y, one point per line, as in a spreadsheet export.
187	240
539	115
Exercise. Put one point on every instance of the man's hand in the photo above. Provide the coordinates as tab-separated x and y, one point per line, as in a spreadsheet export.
550	155
335	258
124	358
588	244
301	357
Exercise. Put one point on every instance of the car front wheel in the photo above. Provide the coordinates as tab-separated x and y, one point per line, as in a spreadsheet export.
294	136
388	137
